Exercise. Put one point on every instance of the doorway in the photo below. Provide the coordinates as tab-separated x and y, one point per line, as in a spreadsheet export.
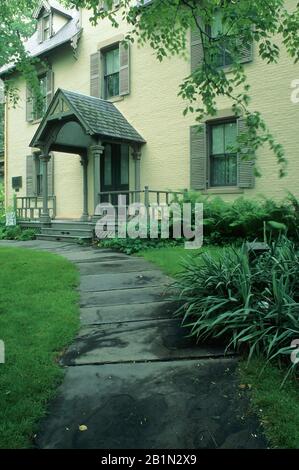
114	171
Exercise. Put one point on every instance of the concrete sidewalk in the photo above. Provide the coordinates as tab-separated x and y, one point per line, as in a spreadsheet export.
132	377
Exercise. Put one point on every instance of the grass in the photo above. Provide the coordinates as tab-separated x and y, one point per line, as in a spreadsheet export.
170	259
278	408
39	316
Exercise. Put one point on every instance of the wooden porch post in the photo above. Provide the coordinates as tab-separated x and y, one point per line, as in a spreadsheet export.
45	217
96	152
137	157
84	163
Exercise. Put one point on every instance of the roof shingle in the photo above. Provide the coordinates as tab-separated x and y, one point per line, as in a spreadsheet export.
102	117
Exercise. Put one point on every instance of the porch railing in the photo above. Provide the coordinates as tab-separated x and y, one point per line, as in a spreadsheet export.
145	196
30	207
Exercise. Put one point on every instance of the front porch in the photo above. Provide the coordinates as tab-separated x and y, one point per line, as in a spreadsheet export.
29	213
94	131
110	151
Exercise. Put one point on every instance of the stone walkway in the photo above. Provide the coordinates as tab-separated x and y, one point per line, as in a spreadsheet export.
132	377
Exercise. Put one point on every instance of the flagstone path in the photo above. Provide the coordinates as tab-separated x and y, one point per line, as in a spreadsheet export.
133	379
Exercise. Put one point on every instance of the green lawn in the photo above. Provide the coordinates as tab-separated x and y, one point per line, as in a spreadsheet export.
277	407
39	316
170	259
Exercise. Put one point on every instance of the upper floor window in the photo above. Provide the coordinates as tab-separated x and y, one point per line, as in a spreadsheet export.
39	109
111	72
35	109
46	27
223	159
219	28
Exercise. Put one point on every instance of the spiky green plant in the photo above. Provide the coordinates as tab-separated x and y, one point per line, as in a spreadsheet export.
252	305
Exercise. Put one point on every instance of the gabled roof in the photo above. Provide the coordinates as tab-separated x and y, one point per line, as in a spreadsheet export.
50	5
68	33
98	117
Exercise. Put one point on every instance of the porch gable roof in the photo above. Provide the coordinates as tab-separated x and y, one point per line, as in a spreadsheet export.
98	117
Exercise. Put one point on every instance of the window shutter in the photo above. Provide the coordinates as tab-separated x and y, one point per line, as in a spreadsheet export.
245	51
198	157
196	49
40	30
30	172
246	177
50	86
29	104
124	69
51	176
50	25
95	75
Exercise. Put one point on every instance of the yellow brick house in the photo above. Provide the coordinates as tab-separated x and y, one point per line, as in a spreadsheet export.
112	122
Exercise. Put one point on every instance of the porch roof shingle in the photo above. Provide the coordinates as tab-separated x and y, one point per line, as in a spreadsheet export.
102	117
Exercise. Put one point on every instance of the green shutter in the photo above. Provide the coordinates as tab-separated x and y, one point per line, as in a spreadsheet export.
40	30
124	69
29	104
198	157
196	48
51	25
246	177
51	176
30	172
95	75
245	51
50	86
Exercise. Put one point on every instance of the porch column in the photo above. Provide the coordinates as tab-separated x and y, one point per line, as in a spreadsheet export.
45	217
84	163
96	152
137	157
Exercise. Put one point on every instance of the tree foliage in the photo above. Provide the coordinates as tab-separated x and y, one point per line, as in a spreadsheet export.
164	25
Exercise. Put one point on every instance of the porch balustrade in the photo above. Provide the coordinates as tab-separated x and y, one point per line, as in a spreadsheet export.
145	196
31	207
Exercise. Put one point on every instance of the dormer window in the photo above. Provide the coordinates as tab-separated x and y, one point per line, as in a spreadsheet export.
45	27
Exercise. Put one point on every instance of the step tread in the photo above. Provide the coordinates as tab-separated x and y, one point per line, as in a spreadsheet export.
62	237
72	230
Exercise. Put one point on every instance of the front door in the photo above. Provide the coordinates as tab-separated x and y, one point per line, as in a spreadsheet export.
114	171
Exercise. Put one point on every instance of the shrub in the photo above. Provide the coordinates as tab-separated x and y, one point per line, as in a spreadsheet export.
130	245
247	219
17	233
2	209
253	306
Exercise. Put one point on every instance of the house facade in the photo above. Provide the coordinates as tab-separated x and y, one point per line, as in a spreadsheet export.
111	121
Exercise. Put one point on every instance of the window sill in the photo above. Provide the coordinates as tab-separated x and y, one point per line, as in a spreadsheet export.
115	99
36	121
224	190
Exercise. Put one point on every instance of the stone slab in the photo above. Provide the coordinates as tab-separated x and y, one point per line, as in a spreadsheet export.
163	405
121	266
123	313
136	341
92	256
124	297
104	282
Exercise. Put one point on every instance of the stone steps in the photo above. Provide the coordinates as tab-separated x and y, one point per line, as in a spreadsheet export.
67	231
63	238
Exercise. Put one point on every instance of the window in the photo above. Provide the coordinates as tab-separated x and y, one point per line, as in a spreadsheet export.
39	176
223	159
111	72
218	28
46	22
39	109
